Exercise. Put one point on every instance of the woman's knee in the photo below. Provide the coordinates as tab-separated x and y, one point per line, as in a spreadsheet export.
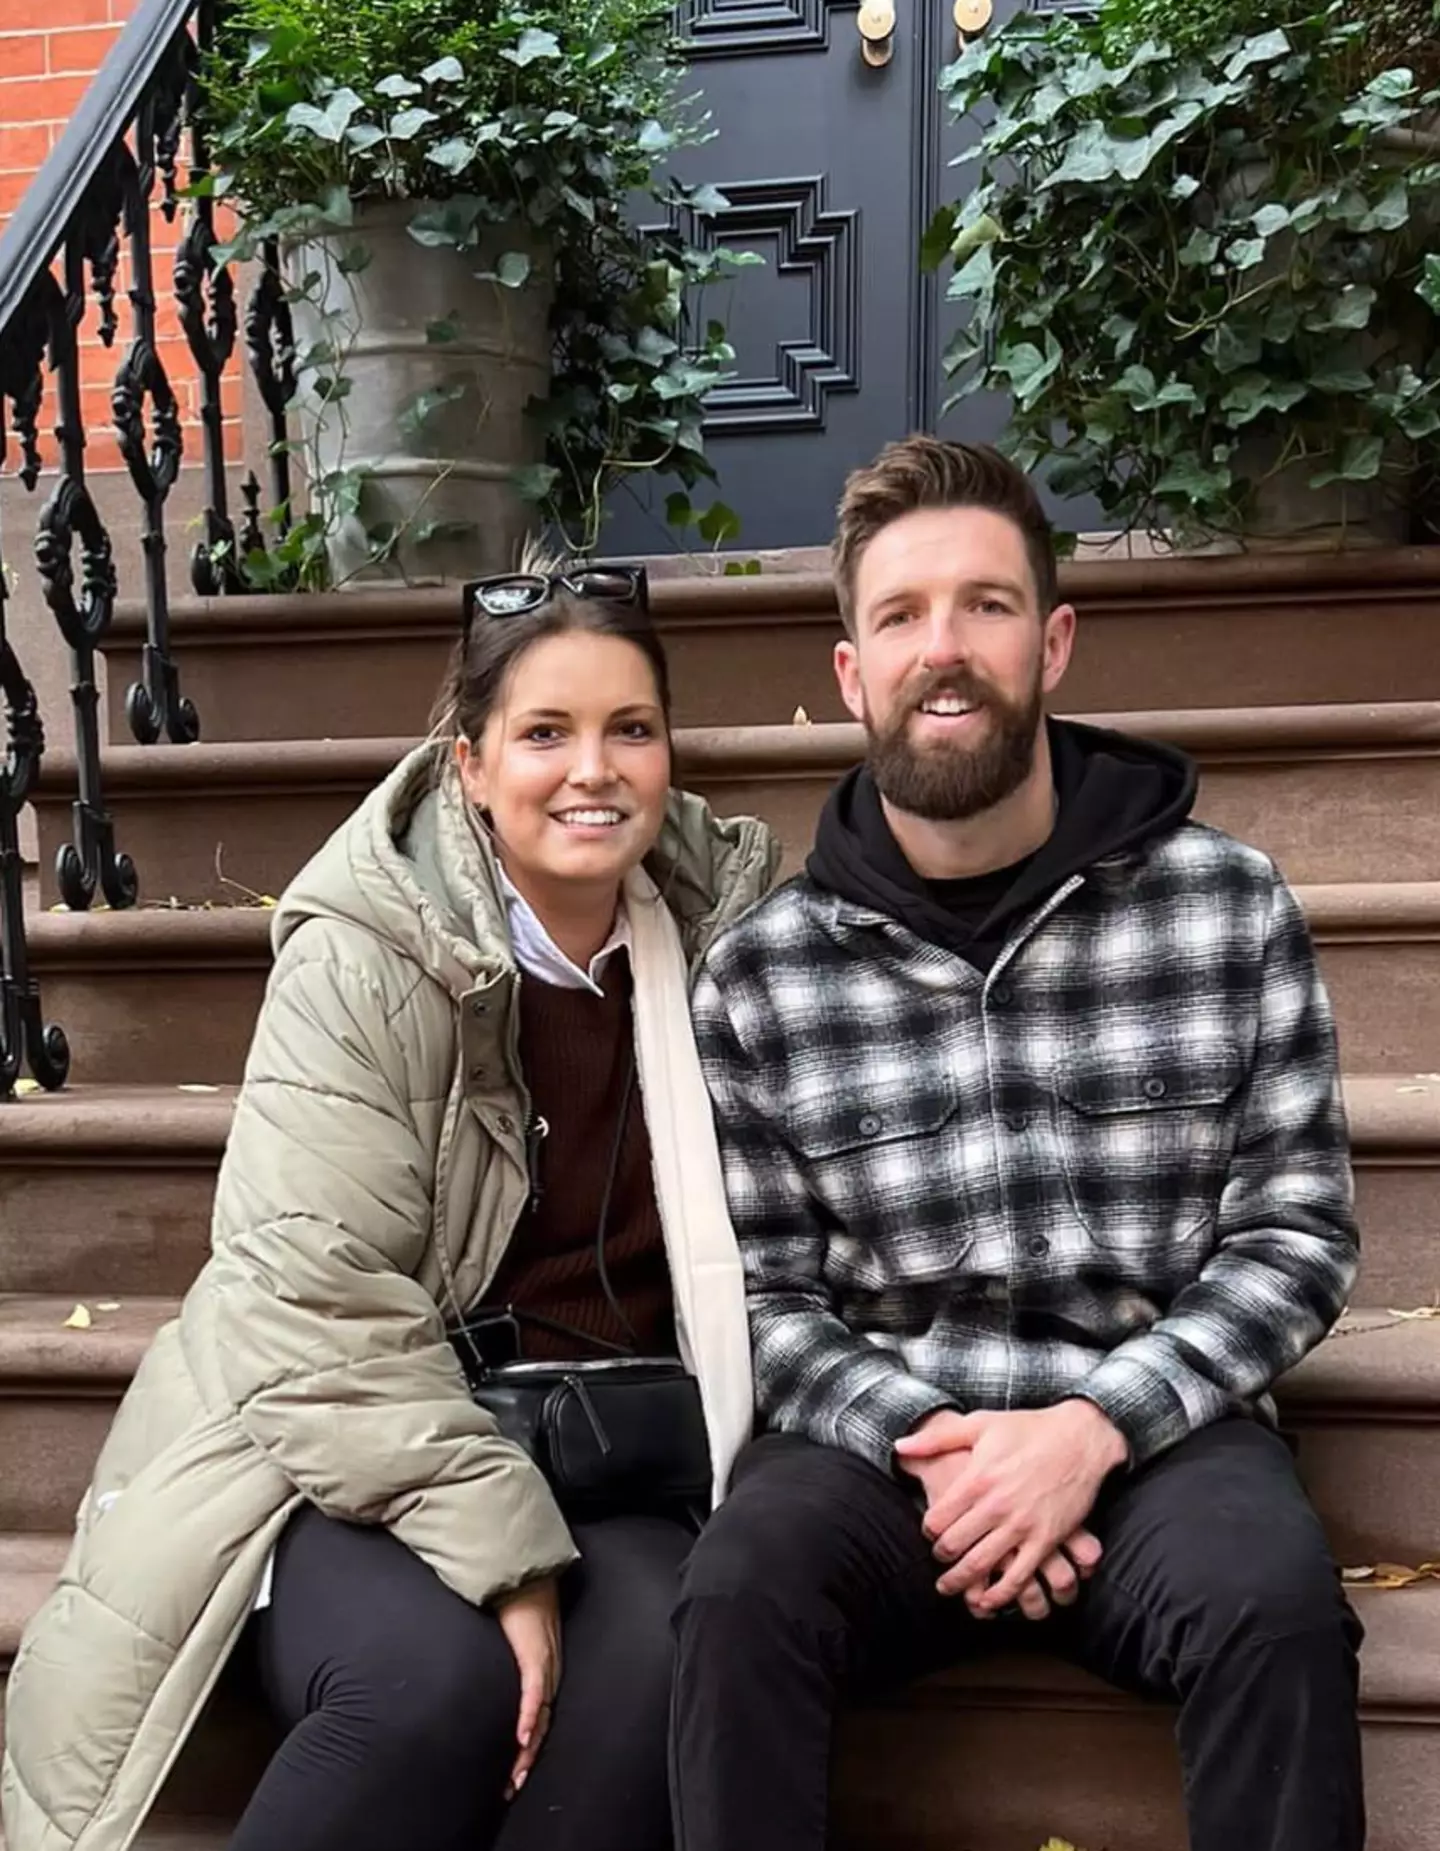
425	1691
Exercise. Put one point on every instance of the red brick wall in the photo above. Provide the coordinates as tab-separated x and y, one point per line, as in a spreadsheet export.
49	51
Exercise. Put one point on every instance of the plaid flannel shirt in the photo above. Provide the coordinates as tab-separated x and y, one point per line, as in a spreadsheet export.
1114	1167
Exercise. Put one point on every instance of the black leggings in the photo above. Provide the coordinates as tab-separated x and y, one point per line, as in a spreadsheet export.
401	1700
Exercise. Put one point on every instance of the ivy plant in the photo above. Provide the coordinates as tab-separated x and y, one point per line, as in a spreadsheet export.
556	119
1199	258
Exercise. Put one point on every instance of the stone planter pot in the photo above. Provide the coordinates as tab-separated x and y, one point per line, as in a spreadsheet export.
435	428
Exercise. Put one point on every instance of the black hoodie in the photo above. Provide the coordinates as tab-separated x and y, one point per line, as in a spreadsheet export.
1113	792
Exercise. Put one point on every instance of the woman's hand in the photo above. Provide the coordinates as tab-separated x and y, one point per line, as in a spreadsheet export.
530	1621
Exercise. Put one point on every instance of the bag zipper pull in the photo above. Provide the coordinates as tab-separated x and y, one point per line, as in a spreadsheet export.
582	1395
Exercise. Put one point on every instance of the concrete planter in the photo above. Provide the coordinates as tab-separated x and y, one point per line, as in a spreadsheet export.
436	428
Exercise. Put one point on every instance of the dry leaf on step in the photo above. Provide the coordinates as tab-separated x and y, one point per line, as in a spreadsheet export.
79	1319
801	718
1419	1311
1412	1089
196	1086
108	1304
1388	1576
1058	1844
27	1086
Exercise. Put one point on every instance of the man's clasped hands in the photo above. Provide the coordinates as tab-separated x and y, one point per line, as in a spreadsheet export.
1007	1498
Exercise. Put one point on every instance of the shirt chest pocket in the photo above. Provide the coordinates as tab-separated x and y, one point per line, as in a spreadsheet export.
1146	1142
886	1169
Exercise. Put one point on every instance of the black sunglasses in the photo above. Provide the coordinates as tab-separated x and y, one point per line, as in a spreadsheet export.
512	594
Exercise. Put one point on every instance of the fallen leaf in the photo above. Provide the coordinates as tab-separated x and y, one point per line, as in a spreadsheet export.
27	1086
1388	1576
1420	1311
800	718
108	1304
1057	1844
268	899
79	1319
195	1086
1412	1089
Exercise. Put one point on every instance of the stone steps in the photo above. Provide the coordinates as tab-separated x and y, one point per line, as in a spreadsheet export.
106	1190
163	995
1365	1410
746	651
1334	793
987	1757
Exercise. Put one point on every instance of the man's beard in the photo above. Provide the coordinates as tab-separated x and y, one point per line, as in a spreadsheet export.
948	783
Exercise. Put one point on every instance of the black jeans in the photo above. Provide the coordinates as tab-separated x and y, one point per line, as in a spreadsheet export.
814	1583
401	1700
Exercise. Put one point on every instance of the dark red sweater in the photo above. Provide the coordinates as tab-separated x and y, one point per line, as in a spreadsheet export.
574	1050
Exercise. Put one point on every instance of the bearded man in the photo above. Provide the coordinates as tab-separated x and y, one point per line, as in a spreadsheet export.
1032	1131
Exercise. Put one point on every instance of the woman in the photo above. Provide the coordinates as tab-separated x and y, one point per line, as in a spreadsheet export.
437	1105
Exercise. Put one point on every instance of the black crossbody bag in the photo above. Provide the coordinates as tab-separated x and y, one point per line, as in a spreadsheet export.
615	1433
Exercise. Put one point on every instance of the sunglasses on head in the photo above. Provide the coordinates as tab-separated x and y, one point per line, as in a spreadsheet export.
512	594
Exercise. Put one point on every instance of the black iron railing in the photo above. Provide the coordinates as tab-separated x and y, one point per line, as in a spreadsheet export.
123	153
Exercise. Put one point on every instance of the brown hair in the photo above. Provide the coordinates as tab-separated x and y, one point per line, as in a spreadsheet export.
926	472
481	662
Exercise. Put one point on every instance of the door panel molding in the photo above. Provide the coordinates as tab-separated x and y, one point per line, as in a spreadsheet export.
741	28
821	250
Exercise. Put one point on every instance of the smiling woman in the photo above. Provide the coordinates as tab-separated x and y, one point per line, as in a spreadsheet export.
473	1131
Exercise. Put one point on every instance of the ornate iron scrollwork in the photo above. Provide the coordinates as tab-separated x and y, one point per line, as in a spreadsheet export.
270	342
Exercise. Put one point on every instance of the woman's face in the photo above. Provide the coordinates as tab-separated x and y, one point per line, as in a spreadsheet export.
573	766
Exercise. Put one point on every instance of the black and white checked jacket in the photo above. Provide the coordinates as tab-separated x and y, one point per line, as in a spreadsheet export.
1115	1167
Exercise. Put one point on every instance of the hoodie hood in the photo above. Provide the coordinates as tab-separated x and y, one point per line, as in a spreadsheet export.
1115	793
413	867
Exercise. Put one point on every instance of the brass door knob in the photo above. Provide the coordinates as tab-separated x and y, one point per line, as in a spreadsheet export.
876	24
971	18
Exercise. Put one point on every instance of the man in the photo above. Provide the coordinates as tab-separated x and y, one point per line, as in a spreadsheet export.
1033	1139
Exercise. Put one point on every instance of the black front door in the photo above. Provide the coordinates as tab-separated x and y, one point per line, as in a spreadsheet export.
833	165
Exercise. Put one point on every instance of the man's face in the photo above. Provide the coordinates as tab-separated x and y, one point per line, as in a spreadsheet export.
951	660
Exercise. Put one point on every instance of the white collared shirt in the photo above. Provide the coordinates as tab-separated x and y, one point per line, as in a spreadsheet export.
539	956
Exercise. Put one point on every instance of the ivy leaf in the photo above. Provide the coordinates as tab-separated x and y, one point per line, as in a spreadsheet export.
451	156
513	269
534	44
1359	461
1121	330
396	85
935	243
1253	393
1270	219
1264	49
1428	288
1187	475
441	333
535	481
364	135
1184	186
655	138
1245	253
707	200
1350	309
1201	247
353	261
329	123
408	124
654	347
424	405
443	71
1340	381
678	511
718	524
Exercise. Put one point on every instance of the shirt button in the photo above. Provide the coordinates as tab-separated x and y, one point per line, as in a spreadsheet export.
479	1008
1002	996
870	1124
1155	1087
477	1072
1017	1121
1037	1246
504	1124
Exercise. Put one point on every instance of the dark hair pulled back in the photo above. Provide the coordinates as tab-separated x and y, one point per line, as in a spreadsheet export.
481	664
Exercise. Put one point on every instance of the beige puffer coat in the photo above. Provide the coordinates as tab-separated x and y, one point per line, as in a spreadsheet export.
374	1173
